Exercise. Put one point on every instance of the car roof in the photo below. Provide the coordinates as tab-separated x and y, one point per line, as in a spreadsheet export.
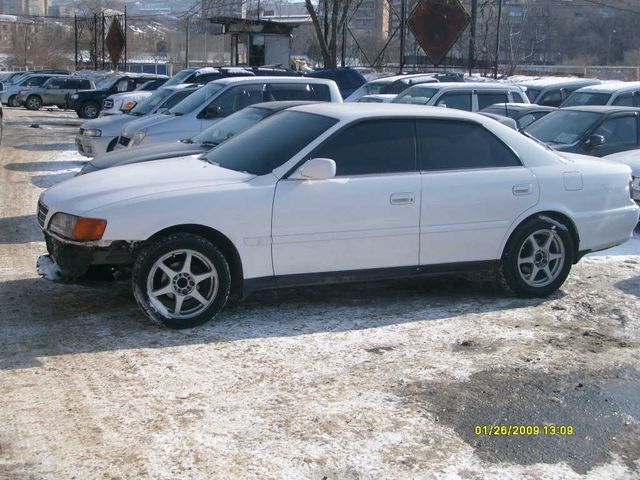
353	111
556	81
602	108
470	85
610	87
279	79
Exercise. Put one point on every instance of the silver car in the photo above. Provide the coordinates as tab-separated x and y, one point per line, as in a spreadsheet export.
54	92
100	135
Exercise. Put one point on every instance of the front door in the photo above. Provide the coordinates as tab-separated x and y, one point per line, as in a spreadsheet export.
473	188
365	218
620	133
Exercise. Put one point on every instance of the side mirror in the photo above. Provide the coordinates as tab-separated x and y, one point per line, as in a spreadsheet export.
595	141
316	169
211	112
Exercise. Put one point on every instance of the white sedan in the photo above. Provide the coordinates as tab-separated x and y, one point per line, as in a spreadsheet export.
330	193
632	159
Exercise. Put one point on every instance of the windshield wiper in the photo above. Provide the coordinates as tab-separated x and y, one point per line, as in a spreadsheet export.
209	144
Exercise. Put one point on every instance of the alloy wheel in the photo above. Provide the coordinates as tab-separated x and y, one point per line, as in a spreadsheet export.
541	258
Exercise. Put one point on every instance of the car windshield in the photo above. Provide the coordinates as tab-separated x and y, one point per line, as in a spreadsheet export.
179	77
192	102
151	102
106	83
416	96
270	143
232	125
532	93
586	98
564	127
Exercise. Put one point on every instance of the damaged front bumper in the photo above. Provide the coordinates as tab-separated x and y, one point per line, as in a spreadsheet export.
69	260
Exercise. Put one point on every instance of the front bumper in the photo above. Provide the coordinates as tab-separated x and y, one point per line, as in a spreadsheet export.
73	260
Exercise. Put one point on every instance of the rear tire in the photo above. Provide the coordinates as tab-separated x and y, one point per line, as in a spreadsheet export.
537	259
33	102
181	280
89	110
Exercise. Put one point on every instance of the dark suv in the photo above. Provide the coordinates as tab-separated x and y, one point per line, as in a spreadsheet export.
348	79
88	103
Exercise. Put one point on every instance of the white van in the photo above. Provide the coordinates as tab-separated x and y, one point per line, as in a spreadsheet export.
219	99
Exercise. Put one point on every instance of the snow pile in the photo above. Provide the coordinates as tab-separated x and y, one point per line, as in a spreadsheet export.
48	269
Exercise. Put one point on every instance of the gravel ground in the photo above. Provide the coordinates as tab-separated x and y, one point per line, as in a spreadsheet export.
382	380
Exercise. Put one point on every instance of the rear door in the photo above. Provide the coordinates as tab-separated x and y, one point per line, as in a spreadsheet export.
487	98
458	99
473	188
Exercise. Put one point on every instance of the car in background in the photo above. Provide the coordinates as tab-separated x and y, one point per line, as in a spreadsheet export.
12	77
631	158
590	130
552	91
219	99
376	86
471	97
399	85
331	193
9	94
100	135
54	92
123	102
347	79
88	103
622	94
203	142
522	113
380	98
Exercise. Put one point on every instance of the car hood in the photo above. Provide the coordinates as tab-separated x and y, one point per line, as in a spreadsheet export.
80	195
158	151
111	124
146	122
631	158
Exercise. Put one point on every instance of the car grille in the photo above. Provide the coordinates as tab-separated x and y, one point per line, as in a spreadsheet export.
107	103
42	213
124	141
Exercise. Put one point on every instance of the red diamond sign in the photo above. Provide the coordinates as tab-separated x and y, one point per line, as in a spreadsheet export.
437	24
115	42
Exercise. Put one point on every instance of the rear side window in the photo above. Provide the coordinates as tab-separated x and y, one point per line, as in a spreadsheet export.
277	92
373	147
551	99
238	98
451	145
624	101
457	100
486	99
518	97
76	84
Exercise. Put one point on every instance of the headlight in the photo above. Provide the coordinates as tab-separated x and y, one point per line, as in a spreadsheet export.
77	228
137	138
126	106
75	96
93	132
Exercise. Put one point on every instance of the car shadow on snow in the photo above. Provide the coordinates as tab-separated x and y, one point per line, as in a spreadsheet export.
39	319
22	229
630	286
46	147
48	181
52	166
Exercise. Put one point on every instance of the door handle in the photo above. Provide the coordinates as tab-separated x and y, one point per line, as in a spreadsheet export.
406	198
522	189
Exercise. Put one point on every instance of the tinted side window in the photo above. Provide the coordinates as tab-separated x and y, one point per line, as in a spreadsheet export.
373	147
457	100
619	131
551	99
486	99
451	145
238	98
321	92
85	85
74	84
277	92
624	100
518	97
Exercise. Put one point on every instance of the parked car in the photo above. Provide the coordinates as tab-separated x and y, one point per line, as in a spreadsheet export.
631	158
590	130
13	77
376	98
88	103
462	96
54	92
203	142
377	86
524	114
347	79
405	81
551	92
100	135
623	94
119	103
221	98
9	94
328	193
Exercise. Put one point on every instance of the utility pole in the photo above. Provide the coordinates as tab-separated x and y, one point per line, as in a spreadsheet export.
186	55
472	35
102	35
125	37
497	60
75	34
403	15
95	41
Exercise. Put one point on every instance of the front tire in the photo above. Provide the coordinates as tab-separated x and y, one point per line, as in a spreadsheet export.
181	280
33	102
89	110
11	101
537	259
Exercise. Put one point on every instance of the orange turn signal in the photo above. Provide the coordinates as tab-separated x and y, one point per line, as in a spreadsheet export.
89	229
126	106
